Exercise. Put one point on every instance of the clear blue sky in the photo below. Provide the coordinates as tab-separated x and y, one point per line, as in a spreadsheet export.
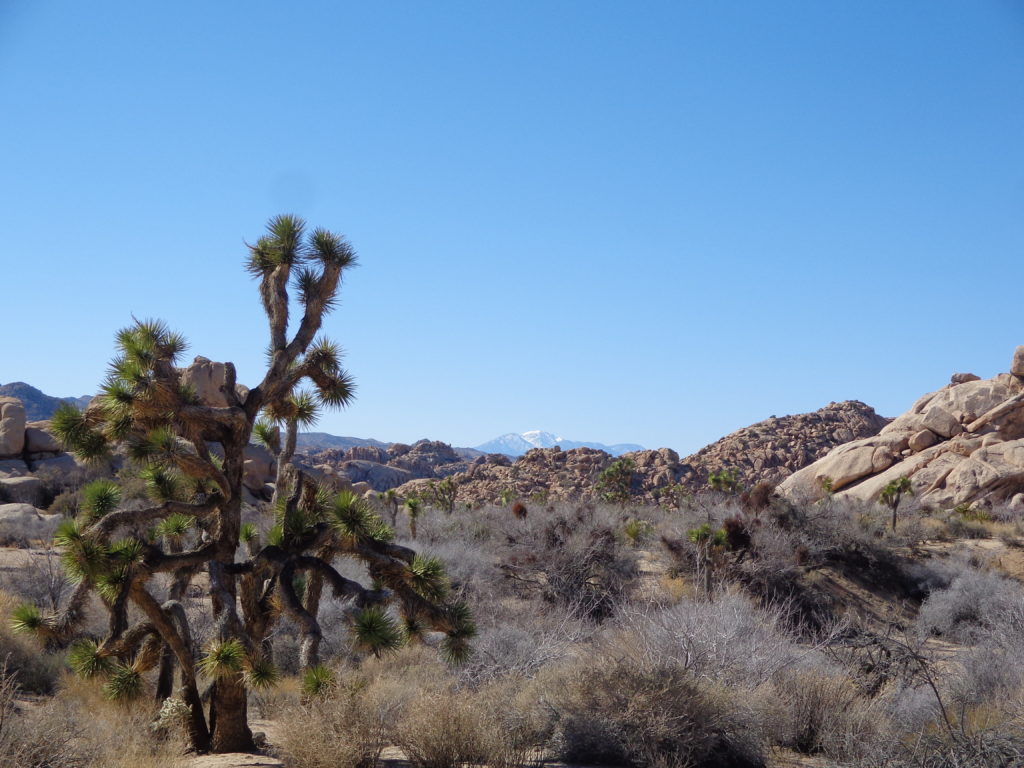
625	222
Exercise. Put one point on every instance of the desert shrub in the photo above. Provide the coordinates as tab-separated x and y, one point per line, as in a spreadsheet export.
820	711
37	738
730	641
446	728
346	728
30	669
572	556
618	711
523	647
974	602
79	729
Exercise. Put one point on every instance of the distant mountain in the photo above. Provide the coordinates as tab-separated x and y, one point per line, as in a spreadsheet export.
516	444
39	406
321	441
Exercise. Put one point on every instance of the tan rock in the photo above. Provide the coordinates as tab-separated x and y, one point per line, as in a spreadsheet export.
12	427
1017	366
981	459
209	380
38	438
923	439
22	490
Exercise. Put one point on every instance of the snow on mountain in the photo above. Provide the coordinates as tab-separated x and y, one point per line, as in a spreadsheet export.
516	444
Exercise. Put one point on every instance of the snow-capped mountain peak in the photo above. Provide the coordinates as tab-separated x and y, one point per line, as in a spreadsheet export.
518	443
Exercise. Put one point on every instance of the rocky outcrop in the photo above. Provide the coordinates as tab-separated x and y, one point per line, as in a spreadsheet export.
22	490
209	380
767	451
12	427
775	448
961	444
387	467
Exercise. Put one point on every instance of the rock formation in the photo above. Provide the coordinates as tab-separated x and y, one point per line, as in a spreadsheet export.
775	448
963	444
767	451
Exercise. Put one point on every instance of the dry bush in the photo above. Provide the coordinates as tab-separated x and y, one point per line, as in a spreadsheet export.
975	601
619	711
38	737
78	728
730	640
347	729
820	711
497	725
31	669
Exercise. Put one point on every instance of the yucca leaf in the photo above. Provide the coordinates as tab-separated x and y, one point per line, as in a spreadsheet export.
125	684
86	660
99	498
275	536
427	577
248	532
318	681
110	583
162	483
223	658
26	619
375	631
260	673
460	618
267	434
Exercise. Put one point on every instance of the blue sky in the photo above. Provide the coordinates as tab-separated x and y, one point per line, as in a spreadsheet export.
626	222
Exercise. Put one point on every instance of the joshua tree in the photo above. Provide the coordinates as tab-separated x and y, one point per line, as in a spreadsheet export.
615	483
392	501
893	492
725	480
192	454
444	493
413	508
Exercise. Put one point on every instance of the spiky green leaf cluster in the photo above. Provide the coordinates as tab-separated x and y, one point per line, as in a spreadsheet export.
26	619
455	647
99	498
223	658
318	680
375	631
260	673
125	684
248	532
267	434
87	660
353	517
163	483
428	578
76	434
174	527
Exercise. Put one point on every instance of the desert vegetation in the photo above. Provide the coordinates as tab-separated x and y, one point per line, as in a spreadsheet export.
731	629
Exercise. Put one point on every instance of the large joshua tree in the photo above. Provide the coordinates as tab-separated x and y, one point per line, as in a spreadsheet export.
192	455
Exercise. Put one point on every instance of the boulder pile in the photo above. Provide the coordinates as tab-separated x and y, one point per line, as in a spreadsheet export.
963	444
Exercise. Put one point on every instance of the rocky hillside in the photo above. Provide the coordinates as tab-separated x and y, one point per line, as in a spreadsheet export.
777	447
769	450
387	466
963	444
38	406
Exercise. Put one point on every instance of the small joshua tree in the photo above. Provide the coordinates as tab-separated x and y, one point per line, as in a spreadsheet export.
192	455
725	481
893	492
615	483
444	494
